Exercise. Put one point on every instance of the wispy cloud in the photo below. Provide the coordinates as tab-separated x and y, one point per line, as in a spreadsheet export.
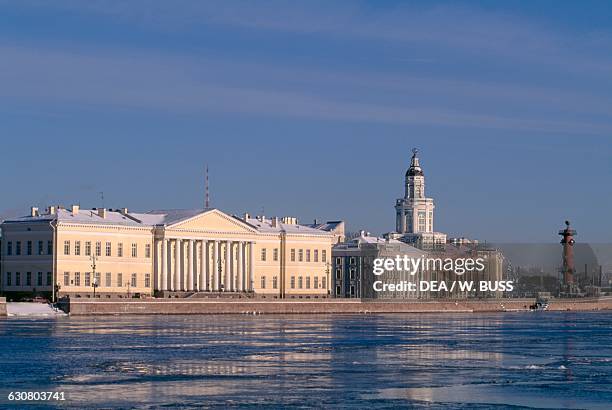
439	95
471	30
190	85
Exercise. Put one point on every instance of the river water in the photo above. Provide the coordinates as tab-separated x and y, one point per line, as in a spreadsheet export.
539	359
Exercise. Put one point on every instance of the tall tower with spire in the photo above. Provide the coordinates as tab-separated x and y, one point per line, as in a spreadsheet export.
414	213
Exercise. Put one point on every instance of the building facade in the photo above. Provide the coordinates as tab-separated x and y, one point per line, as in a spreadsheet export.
353	270
165	253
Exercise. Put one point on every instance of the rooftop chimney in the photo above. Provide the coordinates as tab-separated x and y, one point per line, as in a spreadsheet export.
33	211
102	212
124	211
51	210
75	210
290	220
246	216
274	222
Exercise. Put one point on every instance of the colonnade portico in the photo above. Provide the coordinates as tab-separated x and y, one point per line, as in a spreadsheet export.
203	265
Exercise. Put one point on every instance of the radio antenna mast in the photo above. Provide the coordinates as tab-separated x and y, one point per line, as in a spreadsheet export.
206	189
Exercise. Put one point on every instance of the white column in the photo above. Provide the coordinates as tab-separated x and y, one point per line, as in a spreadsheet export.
250	281
177	264
164	266
228	267
203	266
215	267
171	266
240	270
190	277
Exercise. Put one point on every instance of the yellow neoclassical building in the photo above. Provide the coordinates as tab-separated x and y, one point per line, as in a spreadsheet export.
165	253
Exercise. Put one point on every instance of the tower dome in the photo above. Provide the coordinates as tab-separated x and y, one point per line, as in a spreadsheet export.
415	168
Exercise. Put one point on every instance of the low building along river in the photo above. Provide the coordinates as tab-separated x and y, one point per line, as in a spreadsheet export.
167	253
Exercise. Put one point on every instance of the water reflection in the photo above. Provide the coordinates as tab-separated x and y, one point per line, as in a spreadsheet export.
549	360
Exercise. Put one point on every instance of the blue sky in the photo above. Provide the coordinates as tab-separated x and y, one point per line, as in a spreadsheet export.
311	109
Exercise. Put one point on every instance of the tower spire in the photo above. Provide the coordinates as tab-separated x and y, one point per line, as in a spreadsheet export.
206	189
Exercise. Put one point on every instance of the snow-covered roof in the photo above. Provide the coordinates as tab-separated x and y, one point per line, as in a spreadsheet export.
266	226
82	216
327	226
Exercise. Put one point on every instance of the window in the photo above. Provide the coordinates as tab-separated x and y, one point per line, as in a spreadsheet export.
147	280
8	278
300	282
134	250
87	279
316	282
97	279
338	273
338	261
421	221
133	281
66	247
29	247
275	254
29	279
307	255
9	248
49	279
66	278
274	282
119	280
17	279
120	249
40	247
323	255
18	248
316	255
293	282
148	250
324	282
307	282
263	282
263	254
109	280
301	255
108	249
39	281
292	255
77	248
87	248
98	248
49	247
352	272
338	290
352	260
352	290
77	279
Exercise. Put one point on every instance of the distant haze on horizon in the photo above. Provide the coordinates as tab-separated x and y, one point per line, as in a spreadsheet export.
310	109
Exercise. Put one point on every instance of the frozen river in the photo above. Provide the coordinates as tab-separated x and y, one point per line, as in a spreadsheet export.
544	359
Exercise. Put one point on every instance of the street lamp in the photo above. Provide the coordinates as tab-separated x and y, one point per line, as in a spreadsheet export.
328	283
94	282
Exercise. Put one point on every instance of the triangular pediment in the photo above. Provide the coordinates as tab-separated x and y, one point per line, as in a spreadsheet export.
213	221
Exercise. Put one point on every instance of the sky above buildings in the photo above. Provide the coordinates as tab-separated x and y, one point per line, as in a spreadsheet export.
310	109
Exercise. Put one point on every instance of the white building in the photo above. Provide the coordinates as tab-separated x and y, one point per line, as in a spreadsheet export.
414	213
